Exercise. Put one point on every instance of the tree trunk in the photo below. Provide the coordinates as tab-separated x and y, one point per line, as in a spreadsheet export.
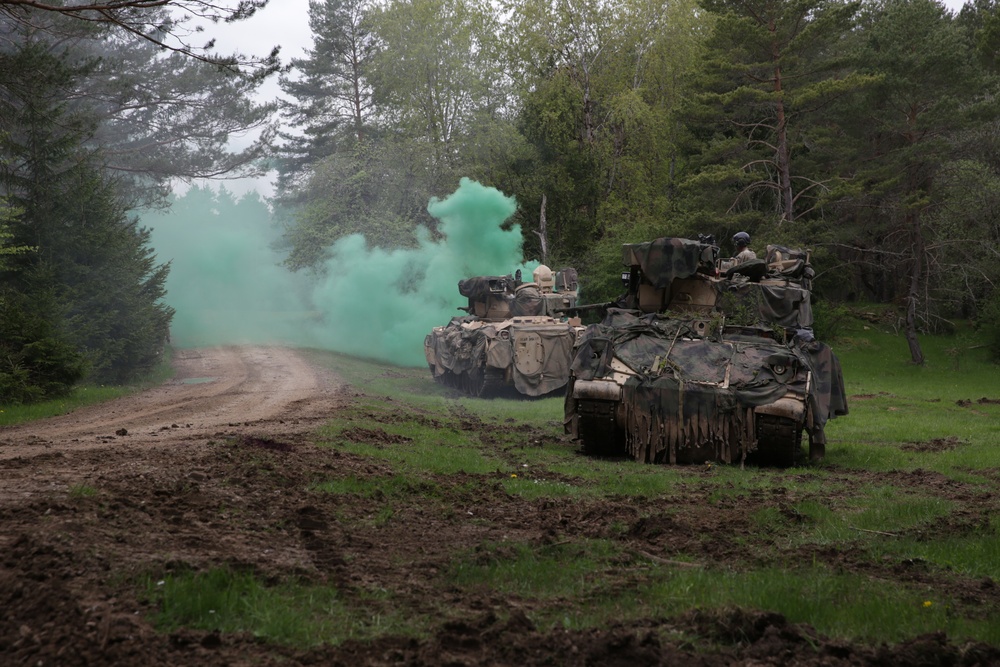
782	159
543	234
913	296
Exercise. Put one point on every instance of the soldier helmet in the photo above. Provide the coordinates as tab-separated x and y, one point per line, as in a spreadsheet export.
741	239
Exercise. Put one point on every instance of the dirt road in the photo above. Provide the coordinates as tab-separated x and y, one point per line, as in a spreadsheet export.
129	486
216	392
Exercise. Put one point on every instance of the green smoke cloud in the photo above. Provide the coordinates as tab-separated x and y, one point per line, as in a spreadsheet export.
226	283
381	304
228	286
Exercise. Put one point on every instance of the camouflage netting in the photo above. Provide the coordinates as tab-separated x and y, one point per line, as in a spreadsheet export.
690	396
538	354
456	349
527	301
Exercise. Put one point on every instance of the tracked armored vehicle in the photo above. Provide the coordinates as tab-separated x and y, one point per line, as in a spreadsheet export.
515	336
704	361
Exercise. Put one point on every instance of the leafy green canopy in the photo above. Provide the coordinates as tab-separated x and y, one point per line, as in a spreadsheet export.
380	304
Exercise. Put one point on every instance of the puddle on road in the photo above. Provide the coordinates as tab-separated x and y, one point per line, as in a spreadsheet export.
196	380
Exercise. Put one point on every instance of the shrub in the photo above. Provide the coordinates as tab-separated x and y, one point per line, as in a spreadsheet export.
828	319
36	363
989	324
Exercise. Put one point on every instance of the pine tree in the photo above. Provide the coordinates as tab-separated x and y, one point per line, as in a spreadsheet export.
91	272
763	151
332	97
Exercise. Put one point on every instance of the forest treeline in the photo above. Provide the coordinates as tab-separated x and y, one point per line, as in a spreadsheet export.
866	131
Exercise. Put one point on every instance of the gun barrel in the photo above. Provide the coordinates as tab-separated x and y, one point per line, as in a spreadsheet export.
583	308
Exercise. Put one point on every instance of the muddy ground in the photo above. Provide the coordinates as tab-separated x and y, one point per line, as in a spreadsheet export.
214	469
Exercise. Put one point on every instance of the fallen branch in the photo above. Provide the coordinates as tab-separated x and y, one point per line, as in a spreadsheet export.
874	532
664	561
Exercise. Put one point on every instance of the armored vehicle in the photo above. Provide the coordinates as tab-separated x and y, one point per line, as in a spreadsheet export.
515	334
702	360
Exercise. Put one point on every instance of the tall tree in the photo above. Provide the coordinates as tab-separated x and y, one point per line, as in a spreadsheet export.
155	115
433	75
763	149
164	116
981	21
599	85
332	96
91	271
145	20
436	89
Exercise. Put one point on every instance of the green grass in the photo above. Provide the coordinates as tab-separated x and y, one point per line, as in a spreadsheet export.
879	511
973	556
894	403
839	605
289	612
82	491
428	448
387	496
80	397
541	572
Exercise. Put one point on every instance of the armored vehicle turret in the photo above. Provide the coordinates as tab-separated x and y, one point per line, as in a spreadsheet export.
705	360
515	335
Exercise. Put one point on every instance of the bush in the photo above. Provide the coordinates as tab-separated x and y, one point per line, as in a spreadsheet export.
36	363
828	319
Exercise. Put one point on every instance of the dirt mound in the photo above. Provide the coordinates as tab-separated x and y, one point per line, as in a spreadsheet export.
933	445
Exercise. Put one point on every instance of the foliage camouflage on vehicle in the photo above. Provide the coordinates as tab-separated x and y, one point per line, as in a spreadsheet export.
515	335
701	361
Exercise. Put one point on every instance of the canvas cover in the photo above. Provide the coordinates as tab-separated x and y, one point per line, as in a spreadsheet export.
663	260
480	287
541	357
456	348
786	305
527	301
539	366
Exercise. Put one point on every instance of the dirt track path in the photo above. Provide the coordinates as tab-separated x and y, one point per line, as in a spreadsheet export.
269	389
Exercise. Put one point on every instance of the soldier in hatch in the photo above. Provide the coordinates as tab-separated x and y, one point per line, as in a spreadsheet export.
743	252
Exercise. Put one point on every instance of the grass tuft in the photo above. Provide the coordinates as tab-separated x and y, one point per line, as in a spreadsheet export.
290	612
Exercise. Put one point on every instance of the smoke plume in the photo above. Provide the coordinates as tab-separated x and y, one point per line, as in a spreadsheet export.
228	286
